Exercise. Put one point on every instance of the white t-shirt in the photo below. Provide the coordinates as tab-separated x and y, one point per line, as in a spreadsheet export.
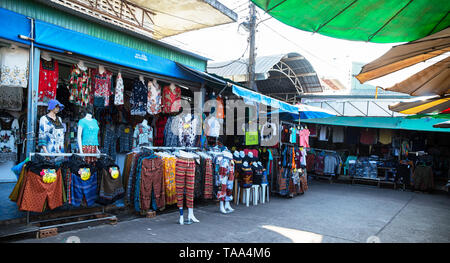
213	127
14	67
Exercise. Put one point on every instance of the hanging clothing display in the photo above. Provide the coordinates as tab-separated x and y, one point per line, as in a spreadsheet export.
324	133
102	86
220	113
212	127
169	180
153	98
118	92
9	138
187	127
14	67
160	125
226	179
368	136
184	177
385	136
11	98
338	134
171	99
143	135
304	137
80	86
48	80
138	99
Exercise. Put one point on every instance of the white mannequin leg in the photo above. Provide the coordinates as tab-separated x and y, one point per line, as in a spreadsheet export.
191	215
222	208
263	193
181	217
228	207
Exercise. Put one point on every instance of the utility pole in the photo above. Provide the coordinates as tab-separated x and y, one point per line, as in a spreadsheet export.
251	61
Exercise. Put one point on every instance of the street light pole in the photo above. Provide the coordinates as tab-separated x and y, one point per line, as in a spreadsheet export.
251	61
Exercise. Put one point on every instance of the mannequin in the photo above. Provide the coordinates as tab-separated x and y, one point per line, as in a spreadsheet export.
227	181
101	69
81	65
141	78
191	217
88	136
51	129
46	56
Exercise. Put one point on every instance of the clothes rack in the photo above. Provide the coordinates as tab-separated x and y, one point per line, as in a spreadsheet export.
110	218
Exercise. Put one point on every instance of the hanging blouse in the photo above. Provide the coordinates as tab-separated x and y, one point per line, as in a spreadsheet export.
138	98
9	136
11	98
118	93
14	67
154	98
80	86
171	99
188	129
220	108
102	87
48	80
143	135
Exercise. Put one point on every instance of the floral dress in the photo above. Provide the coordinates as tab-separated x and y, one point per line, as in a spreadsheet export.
138	99
118	94
154	99
80	85
48	80
102	87
171	99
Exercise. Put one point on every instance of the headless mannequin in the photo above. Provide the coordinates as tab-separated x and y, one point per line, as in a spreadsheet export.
80	132
81	65
45	56
225	209
191	217
101	69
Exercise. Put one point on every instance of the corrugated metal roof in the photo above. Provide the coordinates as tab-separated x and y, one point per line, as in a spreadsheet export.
273	82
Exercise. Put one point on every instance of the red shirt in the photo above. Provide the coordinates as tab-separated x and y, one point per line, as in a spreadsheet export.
171	99
48	80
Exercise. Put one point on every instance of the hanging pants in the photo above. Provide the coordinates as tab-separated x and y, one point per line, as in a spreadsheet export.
36	192
208	178
169	180
152	179
226	183
81	188
185	177
111	189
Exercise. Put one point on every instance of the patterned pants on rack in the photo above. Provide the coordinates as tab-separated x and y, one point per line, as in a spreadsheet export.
169	180
185	178
208	179
90	149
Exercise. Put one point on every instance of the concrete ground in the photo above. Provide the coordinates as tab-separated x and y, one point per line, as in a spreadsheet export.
325	213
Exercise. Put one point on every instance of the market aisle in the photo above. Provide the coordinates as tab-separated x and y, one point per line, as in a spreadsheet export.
326	213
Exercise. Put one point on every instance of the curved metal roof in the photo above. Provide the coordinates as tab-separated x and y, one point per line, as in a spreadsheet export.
283	76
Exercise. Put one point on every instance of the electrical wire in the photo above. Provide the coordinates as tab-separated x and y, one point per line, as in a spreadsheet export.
236	60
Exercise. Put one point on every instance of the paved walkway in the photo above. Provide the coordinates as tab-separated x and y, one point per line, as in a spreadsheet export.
326	213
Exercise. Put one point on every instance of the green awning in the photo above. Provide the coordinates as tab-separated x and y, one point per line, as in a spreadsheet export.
379	21
397	123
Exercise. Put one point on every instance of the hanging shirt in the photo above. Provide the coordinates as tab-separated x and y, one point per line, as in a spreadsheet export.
304	138
9	138
153	98
385	136
89	135
14	67
293	135
118	93
80	86
48	80
323	134
51	134
143	135
102	87
212	127
171	99
138	98
188	128
220	108
368	136
338	134
11	98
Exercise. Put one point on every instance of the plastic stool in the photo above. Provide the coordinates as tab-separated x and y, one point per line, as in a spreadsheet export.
255	194
246	196
264	193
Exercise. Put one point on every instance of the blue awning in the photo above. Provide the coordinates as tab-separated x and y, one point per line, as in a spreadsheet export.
260	98
69	40
12	25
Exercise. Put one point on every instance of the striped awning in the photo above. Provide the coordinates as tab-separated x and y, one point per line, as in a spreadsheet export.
433	105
